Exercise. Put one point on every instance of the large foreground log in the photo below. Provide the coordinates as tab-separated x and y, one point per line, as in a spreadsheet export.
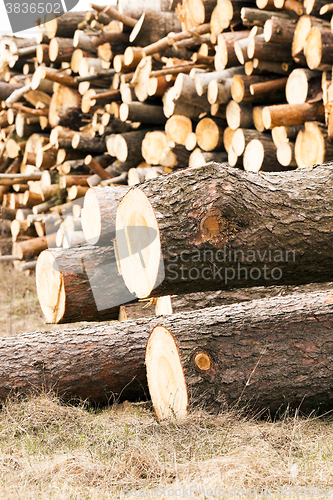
234	229
266	354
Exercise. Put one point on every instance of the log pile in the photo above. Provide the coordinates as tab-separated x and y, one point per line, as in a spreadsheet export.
120	95
103	113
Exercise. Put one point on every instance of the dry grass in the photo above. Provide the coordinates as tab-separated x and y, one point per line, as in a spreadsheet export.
52	450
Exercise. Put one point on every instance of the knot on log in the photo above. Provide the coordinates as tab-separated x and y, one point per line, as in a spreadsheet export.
218	227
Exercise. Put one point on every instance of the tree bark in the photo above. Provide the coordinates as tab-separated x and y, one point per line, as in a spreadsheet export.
220	216
153	26
268	354
292	114
64	26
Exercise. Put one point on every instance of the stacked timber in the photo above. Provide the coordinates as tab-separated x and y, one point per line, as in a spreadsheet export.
119	95
101	115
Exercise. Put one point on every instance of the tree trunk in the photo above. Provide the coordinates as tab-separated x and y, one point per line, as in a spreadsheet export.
312	146
254	17
302	29
64	26
277	30
99	362
292	114
239	115
86	276
243	136
269	354
209	133
152	26
318	46
260	154
225	50
303	85
212	238
143	113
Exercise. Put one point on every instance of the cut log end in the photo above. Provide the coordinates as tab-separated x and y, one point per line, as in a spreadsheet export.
313	48
91	217
253	156
50	288
136	222
166	380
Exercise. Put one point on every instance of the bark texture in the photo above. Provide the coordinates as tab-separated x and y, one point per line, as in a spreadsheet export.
221	228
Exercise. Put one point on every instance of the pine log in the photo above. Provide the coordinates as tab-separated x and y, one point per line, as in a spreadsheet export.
113	13
186	90
173	105
302	29
6	89
260	154
285	154
225	51
175	156
292	114
227	138
96	167
29	249
128	146
60	49
65	107
202	80
254	17
209	134
134	8
88	275
88	144
299	89
282	135
26	125
226	220
19	228
313	6
199	158
65	25
177	128
153	26
318	46
99	214
108	36
239	115
262	355
240	89
219	91
65	362
259	67
277	30
242	137
153	145
312	146
143	113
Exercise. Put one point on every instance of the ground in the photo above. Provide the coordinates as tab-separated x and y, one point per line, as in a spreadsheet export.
53	450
